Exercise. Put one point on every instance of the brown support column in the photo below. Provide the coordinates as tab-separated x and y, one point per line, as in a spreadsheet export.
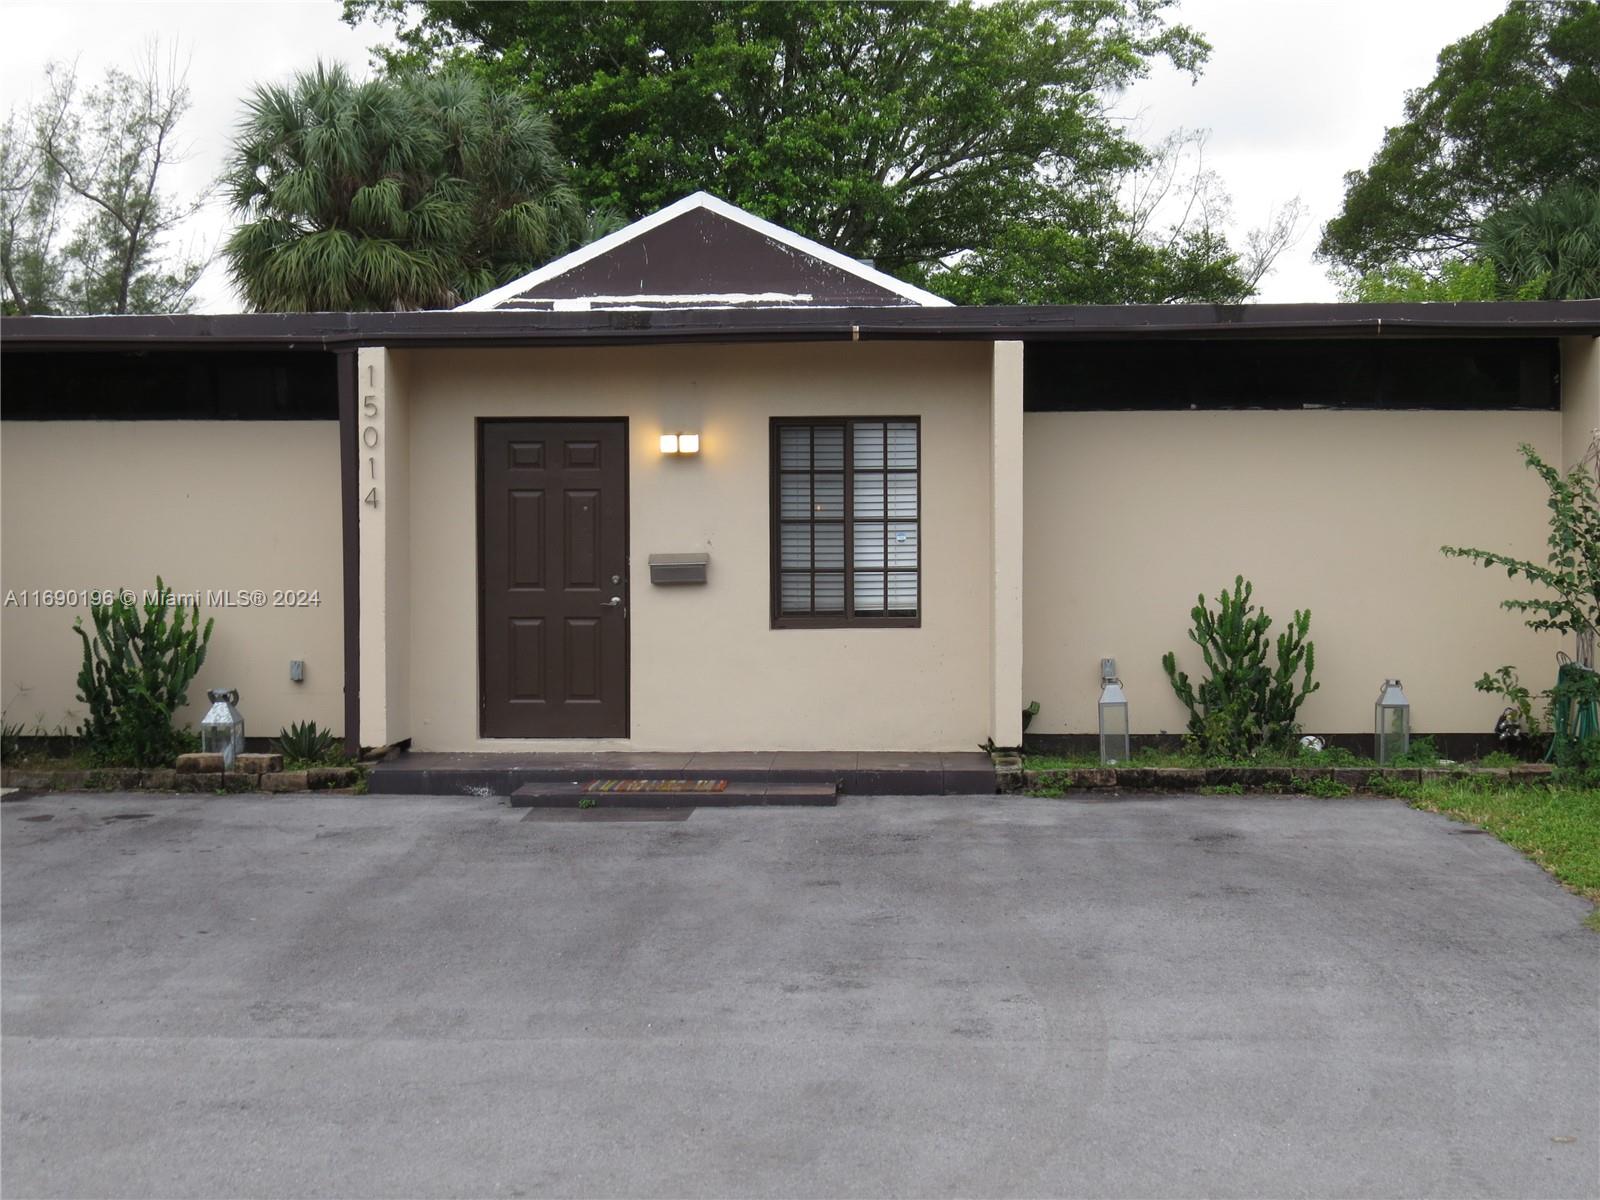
350	525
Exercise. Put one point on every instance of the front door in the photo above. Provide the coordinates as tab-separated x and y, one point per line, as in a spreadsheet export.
553	576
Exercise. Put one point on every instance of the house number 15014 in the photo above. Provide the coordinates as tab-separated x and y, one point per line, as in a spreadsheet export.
370	439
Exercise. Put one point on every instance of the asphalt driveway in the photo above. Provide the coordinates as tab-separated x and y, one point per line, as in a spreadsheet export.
373	996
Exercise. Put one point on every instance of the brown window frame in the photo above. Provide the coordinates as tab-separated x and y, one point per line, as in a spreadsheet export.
849	618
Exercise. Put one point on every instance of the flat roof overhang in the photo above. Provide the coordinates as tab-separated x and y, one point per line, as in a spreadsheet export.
336	331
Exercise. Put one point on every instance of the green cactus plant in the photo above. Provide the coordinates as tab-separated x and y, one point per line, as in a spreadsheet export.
1244	705
136	672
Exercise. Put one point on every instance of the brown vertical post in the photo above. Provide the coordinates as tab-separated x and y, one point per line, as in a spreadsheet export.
350	525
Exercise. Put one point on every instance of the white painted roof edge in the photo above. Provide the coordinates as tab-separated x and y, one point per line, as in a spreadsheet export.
491	300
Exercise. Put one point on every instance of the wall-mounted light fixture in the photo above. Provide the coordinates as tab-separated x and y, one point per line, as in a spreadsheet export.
680	443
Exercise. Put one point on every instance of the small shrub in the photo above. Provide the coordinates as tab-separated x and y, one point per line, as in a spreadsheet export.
1578	763
1244	705
1499	758
10	741
1328	789
136	673
1575	705
1505	682
1421	752
1334	756
306	744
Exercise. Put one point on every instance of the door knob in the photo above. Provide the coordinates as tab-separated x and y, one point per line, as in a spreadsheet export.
614	602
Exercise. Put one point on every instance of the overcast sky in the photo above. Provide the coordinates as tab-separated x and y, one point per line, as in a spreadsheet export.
1296	93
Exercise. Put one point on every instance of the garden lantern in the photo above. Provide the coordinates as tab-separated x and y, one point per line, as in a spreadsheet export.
1393	722
1113	723
222	729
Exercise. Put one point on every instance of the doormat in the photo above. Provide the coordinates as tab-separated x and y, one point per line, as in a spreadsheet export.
657	785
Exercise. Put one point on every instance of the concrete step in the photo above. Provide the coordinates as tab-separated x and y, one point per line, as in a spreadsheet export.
738	793
851	773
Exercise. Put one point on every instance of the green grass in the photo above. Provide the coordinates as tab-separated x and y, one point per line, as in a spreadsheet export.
1150	757
39	759
1059	762
1421	754
1328	789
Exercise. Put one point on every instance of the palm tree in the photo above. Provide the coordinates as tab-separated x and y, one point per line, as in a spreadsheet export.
1548	245
395	193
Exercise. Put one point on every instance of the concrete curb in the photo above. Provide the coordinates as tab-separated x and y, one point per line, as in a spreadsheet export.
166	779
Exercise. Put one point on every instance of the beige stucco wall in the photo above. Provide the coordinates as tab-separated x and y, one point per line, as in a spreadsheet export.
1131	514
1580	396
708	672
210	505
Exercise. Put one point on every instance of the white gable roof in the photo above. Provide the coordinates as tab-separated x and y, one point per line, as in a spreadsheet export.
523	293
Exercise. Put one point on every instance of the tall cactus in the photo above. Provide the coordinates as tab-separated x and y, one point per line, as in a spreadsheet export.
136	673
1243	705
1285	695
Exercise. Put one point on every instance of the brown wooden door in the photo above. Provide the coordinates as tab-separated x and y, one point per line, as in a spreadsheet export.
553	572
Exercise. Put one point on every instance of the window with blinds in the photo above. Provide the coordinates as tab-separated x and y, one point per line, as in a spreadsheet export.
846	522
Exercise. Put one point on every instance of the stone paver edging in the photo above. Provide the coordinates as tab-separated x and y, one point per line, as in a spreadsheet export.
1188	779
246	776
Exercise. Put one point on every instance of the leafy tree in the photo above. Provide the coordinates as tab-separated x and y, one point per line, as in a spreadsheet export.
1511	113
407	192
1102	264
31	212
1151	235
1454	280
1549	245
1544	248
911	133
83	216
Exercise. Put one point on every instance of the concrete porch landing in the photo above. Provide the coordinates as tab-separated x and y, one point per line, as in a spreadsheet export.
867	773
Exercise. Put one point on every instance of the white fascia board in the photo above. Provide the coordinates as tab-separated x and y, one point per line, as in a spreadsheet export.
716	299
491	300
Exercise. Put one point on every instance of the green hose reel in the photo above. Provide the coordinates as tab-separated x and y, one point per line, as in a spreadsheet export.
1575	706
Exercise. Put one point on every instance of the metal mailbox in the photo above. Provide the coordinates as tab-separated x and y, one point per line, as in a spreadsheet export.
679	568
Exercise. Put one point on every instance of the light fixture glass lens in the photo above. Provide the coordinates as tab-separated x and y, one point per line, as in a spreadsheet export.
688	443
669	443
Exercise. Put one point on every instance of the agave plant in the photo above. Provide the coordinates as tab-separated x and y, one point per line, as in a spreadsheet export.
308	744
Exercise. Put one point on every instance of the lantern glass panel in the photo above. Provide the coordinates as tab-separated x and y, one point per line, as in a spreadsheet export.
1114	731
1392	725
222	728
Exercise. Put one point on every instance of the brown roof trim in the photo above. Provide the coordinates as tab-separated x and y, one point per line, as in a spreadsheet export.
326	331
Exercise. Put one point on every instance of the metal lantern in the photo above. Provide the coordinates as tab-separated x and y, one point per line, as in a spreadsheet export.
222	729
1393	722
1113	723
